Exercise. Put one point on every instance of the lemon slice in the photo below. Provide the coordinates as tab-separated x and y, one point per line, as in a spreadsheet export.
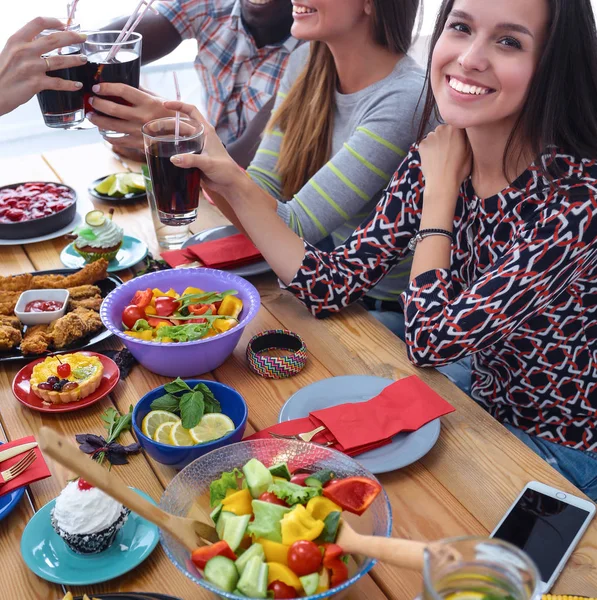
134	182
95	218
103	187
466	596
162	433
154	419
179	436
212	426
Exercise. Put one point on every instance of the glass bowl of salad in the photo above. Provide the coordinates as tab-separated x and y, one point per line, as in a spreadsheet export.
276	505
181	322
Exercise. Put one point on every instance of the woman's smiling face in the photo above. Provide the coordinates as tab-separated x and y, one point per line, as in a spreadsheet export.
485	58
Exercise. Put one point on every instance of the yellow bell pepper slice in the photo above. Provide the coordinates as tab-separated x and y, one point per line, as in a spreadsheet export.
192	290
150	310
166	340
274	551
320	507
231	307
163	324
229	492
172	293
298	524
157	293
146	335
279	572
238	503
221	325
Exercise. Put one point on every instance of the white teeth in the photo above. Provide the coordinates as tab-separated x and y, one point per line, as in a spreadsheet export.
302	10
465	88
260	1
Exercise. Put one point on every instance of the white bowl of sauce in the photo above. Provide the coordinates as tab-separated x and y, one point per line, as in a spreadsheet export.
39	307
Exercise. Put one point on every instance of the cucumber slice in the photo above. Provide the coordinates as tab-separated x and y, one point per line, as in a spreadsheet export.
330	529
254	550
222	520
253	581
222	572
214	515
310	583
234	530
281	470
267	523
313	482
237	592
258	477
322	476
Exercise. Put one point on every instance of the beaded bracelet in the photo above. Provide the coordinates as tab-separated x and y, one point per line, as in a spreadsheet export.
276	367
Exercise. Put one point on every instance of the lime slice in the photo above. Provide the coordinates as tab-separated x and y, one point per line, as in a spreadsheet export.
162	433
95	218
179	436
212	426
154	419
134	182
103	187
466	596
118	187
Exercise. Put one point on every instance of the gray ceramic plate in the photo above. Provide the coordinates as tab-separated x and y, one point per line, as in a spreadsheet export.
405	449
217	233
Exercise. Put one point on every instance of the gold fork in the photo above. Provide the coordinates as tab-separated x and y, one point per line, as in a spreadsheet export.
305	437
18	468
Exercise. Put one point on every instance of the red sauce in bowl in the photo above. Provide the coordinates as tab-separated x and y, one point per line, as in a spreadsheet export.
33	201
43	306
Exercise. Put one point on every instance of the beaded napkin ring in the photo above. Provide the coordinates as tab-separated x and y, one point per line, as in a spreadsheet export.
276	367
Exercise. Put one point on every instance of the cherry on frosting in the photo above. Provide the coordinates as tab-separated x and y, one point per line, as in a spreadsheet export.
84	485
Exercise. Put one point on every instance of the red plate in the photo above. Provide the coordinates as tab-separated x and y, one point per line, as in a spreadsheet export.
22	390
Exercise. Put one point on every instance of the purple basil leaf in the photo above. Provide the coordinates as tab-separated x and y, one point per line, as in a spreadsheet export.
116	459
132	448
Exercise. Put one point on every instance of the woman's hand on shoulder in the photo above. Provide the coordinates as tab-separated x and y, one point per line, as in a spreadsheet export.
219	171
446	158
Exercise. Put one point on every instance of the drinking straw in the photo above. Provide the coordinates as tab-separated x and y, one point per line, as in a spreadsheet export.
71	8
134	25
177	122
124	31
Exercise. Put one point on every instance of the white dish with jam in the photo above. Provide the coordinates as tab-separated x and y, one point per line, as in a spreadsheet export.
40	307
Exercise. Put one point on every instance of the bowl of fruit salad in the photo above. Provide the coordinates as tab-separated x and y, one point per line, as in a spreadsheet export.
276	506
185	419
181	322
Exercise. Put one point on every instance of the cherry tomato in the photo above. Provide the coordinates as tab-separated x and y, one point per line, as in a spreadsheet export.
272	499
131	314
165	306
300	478
201	309
142	298
304	557
281	589
331	552
339	572
63	370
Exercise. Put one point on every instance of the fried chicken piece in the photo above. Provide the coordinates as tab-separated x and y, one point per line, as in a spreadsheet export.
9	337
88	275
36	340
16	283
11	321
73	326
84	291
92	303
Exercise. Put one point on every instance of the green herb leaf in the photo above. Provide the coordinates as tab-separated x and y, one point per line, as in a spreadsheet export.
218	487
86	233
110	418
211	404
123	423
207	298
166	402
141	325
178	385
191	409
184	333
293	493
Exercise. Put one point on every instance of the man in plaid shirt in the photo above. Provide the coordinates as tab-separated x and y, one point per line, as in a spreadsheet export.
242	50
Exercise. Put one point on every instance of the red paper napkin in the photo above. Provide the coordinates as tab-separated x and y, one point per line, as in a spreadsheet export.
405	405
226	252
175	258
38	470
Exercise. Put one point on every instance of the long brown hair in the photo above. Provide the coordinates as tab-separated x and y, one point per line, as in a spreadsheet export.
307	114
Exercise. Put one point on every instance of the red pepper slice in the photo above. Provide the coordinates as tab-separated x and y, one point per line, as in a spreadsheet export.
201	309
331	552
201	555
339	572
354	494
142	298
165	306
155	322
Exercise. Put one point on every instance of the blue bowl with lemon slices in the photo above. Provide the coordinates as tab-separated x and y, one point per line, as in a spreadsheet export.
161	435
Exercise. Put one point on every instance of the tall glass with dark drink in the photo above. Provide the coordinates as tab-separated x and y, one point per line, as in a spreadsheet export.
62	109
175	190
110	60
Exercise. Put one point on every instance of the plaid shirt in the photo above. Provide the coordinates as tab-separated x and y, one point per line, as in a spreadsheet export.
238	77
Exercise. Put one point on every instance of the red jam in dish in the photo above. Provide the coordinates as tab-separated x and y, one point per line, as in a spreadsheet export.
43	306
33	201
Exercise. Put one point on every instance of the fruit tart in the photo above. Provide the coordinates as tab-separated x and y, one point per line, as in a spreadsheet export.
66	378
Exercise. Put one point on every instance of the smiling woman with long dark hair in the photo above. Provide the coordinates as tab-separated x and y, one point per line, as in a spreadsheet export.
500	208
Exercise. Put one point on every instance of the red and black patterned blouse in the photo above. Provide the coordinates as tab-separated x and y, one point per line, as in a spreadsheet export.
520	296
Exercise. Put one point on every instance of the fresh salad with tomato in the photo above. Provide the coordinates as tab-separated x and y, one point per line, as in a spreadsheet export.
278	530
157	316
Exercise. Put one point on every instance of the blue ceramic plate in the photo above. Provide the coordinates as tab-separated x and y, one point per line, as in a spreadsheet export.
9	501
131	252
50	558
405	449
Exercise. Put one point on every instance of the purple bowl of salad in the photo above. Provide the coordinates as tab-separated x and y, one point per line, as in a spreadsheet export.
195	339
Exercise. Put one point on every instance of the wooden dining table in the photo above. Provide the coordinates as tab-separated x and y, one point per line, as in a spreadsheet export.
463	486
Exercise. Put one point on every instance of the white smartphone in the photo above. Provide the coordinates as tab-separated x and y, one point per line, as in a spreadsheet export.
547	524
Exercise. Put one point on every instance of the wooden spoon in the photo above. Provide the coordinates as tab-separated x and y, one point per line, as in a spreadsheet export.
399	552
188	532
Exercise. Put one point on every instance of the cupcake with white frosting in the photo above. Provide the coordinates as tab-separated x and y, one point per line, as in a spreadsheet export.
99	238
86	518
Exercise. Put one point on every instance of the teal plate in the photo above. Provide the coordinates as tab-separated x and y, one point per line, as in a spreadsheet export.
50	558
132	251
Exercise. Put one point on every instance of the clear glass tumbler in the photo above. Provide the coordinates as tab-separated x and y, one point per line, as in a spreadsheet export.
471	568
61	109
